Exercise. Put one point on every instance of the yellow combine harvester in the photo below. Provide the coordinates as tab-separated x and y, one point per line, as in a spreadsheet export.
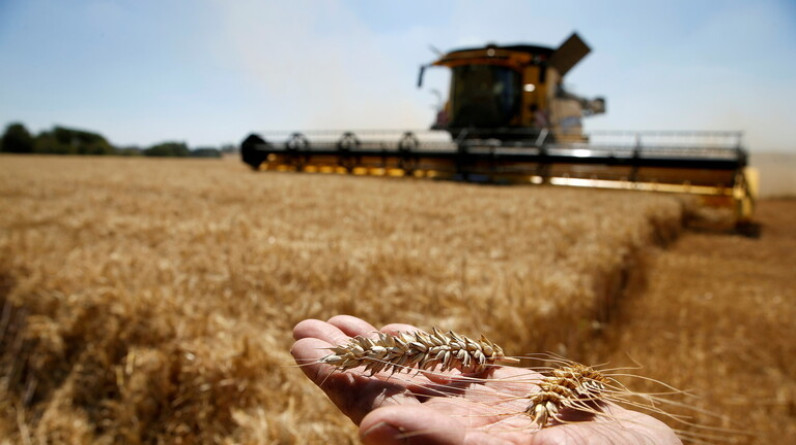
509	120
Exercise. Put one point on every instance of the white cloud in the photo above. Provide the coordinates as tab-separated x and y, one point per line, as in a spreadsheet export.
319	67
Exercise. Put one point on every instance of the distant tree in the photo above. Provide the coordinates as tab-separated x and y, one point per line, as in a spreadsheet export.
176	149
69	141
45	143
82	142
17	139
205	152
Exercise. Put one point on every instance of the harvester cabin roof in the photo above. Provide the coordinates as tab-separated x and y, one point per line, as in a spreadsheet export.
516	55
523	48
563	58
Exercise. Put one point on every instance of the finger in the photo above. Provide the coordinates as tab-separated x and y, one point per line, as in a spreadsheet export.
352	326
307	352
395	328
513	381
410	425
319	329
512	373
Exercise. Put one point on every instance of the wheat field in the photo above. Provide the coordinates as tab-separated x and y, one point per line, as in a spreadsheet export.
152	300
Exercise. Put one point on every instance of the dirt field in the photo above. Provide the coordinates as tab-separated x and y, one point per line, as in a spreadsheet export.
153	300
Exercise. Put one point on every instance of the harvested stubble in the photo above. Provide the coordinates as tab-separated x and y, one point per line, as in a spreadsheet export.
152	300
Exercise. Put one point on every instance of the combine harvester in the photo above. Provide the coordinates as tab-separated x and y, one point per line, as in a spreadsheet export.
509	120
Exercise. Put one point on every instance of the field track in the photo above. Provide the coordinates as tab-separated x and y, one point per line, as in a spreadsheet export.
722	307
152	300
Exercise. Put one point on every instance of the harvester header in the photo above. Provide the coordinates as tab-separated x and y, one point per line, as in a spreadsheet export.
509	119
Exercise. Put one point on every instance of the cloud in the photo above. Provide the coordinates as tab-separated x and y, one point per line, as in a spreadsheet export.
318	66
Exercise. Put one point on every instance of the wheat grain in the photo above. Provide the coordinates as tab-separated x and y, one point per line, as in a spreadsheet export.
417	350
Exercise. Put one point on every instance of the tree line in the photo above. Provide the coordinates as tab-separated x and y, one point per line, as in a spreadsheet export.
69	141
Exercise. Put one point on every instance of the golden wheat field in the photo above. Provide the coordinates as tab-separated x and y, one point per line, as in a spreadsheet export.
152	300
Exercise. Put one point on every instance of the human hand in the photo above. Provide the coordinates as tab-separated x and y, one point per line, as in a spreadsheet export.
451	408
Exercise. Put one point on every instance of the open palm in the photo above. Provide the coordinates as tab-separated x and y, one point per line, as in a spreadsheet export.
448	408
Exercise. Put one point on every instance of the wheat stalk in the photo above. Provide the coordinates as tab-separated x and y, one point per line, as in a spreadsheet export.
417	349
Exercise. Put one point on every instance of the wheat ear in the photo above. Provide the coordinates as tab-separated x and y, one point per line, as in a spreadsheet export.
577	387
418	349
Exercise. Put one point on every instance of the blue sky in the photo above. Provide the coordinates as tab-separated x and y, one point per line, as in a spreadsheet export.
208	72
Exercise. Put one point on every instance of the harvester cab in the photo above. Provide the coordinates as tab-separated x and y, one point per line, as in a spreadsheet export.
509	120
514	92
